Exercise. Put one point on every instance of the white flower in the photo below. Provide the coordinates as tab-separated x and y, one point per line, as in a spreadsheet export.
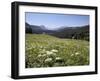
58	58
49	52
72	54
48	59
44	55
54	50
39	55
77	53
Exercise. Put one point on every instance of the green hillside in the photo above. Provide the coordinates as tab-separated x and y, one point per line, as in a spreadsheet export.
48	51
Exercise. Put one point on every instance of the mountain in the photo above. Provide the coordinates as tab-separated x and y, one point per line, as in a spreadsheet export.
81	32
37	29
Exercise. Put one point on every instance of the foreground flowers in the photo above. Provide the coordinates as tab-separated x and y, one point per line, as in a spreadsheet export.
48	60
54	50
77	53
49	51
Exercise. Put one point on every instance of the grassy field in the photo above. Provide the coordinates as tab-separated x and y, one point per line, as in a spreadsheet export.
48	51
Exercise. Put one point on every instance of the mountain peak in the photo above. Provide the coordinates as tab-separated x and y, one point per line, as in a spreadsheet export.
43	27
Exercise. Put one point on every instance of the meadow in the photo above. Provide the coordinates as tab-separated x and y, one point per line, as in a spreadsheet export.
43	50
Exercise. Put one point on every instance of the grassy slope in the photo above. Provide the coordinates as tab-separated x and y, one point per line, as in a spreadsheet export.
71	52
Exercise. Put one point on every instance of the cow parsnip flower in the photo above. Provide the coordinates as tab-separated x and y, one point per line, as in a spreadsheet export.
54	50
58	58
77	53
49	52
48	60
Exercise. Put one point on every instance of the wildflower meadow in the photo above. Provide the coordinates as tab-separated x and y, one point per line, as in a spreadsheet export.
43	50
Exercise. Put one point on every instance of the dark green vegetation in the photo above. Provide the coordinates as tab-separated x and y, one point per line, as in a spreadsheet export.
81	33
44	50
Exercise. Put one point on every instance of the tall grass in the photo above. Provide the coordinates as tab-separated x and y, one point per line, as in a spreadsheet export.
47	51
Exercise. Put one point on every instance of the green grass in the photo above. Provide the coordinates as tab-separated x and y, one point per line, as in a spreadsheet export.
48	51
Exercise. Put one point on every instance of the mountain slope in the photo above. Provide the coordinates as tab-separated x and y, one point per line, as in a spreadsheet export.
73	32
81	32
37	29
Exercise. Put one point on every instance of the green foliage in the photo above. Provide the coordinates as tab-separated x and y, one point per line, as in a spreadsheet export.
80	33
47	51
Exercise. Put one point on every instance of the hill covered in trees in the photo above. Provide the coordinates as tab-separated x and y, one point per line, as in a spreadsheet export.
81	32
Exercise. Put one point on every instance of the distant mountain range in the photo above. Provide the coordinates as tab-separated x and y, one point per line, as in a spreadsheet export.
81	32
37	29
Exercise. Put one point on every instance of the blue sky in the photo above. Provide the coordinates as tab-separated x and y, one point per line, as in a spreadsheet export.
53	21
